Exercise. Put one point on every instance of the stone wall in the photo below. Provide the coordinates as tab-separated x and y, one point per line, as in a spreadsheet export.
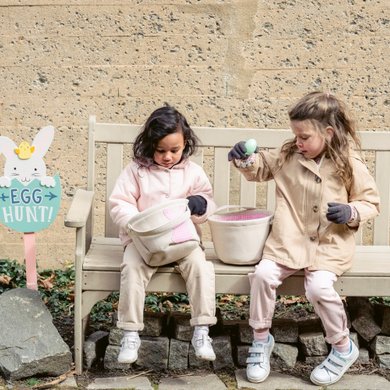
166	340
222	63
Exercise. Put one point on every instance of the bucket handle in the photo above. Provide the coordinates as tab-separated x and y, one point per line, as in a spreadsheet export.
229	207
165	226
239	208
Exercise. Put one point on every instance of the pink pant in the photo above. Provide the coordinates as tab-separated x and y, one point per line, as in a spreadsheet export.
268	276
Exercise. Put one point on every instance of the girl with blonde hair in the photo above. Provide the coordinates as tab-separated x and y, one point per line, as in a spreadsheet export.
324	192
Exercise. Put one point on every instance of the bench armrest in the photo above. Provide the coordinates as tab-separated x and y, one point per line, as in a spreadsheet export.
80	209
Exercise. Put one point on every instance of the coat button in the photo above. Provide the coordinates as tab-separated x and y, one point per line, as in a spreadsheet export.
318	179
312	238
315	208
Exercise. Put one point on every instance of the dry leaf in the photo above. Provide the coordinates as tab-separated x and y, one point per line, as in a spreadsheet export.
169	304
5	279
47	283
290	300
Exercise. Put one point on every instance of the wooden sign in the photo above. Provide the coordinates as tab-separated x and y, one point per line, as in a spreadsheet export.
29	199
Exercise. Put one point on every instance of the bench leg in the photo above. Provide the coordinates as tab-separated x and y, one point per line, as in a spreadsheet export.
78	335
83	306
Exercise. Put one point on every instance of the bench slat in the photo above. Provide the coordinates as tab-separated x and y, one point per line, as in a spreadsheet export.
107	255
236	284
116	132
226	137
247	192
114	168
221	183
198	157
382	221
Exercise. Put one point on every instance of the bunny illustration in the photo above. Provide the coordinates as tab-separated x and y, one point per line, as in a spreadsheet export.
25	162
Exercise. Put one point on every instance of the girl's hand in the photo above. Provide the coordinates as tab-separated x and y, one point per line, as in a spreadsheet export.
338	213
238	152
197	204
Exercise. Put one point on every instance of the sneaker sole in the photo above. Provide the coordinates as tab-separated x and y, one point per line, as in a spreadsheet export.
208	358
254	380
316	382
127	361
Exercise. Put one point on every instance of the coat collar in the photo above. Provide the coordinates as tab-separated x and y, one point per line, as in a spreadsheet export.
310	164
182	164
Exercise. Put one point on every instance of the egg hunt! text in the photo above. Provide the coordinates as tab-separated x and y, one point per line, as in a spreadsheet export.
25	205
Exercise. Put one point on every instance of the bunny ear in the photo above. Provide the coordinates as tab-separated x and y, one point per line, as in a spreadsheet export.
43	140
7	147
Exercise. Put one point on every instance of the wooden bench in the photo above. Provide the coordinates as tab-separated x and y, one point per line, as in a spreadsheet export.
98	253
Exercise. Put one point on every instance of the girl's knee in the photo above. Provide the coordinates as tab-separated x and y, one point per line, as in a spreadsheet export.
317	292
262	276
196	265
319	285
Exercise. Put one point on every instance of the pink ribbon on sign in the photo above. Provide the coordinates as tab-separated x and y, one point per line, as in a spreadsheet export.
31	263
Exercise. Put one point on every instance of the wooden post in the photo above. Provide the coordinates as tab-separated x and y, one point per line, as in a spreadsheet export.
30	258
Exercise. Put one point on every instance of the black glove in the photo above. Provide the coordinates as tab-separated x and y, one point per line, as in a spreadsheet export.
238	151
197	204
338	212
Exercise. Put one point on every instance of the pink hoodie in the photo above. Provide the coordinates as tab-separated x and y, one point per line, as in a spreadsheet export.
138	188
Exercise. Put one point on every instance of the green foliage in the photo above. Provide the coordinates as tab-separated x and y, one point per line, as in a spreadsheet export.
102	312
32	381
54	286
380	300
233	306
165	302
153	302
56	289
12	275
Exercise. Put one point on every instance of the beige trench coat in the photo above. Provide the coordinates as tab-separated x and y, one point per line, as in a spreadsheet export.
301	236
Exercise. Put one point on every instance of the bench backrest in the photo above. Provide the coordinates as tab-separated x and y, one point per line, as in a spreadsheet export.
216	142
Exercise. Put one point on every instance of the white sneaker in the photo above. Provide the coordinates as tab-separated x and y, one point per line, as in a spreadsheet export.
129	348
203	347
258	365
334	366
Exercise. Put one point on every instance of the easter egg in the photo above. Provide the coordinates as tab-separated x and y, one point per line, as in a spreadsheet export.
250	146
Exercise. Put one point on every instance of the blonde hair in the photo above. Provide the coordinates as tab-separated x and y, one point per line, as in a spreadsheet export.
325	110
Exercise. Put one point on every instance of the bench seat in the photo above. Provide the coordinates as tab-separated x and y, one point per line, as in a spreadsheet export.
101	272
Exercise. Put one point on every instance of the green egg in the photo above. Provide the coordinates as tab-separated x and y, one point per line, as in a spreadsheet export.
250	146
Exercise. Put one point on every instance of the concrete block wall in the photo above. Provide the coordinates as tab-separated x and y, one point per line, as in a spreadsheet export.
166	341
222	63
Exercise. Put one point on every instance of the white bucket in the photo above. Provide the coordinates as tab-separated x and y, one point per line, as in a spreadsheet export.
239	236
164	233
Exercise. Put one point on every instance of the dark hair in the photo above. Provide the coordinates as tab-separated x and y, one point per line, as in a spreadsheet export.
162	122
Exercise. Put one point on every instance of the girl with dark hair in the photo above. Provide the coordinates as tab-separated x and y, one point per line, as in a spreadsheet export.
324	192
161	170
